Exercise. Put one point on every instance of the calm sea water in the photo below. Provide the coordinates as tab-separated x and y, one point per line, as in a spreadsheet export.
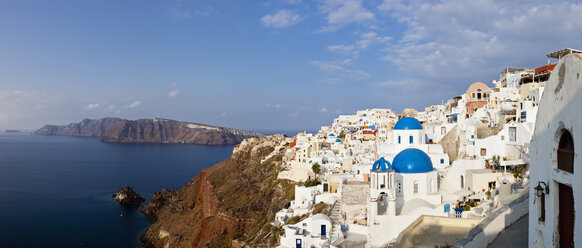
56	191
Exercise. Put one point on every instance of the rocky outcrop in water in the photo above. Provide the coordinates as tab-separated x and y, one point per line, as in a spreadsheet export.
231	202
127	196
150	131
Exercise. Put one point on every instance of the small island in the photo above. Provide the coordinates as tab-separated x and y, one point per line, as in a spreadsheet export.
126	196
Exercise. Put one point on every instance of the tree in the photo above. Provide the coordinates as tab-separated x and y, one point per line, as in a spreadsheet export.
316	168
342	134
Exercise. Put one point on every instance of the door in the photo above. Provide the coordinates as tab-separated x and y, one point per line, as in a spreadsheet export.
323	231
566	216
298	243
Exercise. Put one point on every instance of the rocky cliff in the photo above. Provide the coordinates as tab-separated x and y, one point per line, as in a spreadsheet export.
150	131
230	203
86	128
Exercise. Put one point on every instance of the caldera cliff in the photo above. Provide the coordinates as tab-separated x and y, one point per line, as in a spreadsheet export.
230	203
150	131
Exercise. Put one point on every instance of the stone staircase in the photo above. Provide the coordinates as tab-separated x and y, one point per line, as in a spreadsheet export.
336	217
463	145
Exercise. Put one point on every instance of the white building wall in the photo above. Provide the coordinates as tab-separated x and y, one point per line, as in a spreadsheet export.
559	109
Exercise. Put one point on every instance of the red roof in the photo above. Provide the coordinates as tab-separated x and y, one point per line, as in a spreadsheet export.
545	68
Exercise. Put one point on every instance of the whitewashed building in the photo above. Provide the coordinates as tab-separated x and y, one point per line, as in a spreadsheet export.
555	172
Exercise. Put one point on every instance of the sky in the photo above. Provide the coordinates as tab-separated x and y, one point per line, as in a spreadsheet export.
261	65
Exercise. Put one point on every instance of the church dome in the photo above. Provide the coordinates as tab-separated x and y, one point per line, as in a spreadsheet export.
338	140
412	160
381	165
407	123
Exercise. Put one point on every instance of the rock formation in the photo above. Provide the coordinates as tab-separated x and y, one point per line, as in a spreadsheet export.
232	202
85	128
127	196
451	144
150	131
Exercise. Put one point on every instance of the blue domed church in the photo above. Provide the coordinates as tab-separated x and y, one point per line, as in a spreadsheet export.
404	180
409	133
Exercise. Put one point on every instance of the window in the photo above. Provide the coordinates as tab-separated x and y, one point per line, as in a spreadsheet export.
383	185
442	160
415	187
398	139
512	134
483	152
566	152
399	187
410	139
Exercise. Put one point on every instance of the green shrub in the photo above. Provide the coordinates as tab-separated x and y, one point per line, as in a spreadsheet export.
310	183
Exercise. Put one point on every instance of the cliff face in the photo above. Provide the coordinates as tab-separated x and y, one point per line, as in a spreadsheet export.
86	128
232	200
150	131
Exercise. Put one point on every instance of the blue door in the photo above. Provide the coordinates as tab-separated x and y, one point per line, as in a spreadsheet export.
298	243
323	231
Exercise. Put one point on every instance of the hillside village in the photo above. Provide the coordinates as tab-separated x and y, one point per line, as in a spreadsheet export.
426	178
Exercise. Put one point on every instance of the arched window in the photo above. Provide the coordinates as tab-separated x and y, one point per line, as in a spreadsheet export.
415	187
566	152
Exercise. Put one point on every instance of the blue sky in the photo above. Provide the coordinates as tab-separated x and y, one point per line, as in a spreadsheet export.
261	65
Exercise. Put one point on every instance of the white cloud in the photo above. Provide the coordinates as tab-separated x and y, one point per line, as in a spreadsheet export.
294	1
187	9
460	41
277	106
294	114
365	41
280	19
133	105
110	108
23	109
173	93
323	110
342	12
343	49
371	38
338	69
92	106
